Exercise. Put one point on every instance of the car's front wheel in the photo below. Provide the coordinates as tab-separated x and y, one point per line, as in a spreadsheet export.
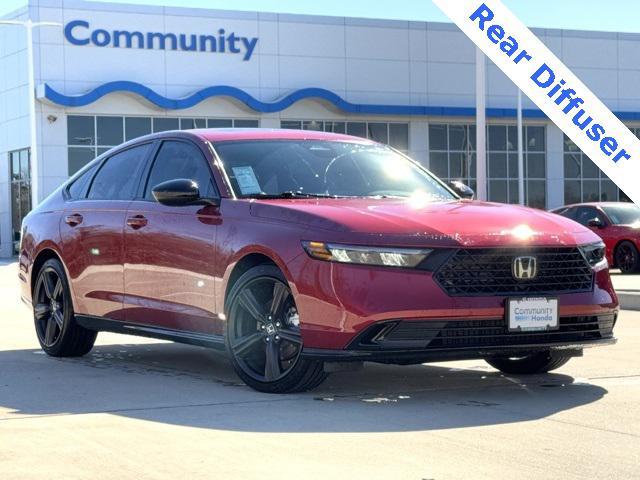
263	334
58	333
540	362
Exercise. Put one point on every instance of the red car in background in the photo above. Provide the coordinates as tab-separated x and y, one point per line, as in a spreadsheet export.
617	223
294	250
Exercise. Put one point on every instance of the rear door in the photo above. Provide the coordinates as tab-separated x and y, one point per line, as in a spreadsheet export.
169	258
92	231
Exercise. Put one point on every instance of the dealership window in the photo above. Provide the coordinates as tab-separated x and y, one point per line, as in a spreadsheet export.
89	136
583	180
20	168
394	134
452	156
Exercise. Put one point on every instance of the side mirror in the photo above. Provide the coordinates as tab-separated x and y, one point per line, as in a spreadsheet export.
595	223
180	192
463	190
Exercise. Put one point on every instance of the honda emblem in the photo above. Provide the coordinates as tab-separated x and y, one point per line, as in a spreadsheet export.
524	268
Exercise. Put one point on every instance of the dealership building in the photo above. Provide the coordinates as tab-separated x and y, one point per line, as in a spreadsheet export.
105	73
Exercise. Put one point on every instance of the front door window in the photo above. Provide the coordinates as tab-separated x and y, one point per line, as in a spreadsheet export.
19	162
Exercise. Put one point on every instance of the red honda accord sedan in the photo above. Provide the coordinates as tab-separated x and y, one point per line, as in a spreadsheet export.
617	223
301	251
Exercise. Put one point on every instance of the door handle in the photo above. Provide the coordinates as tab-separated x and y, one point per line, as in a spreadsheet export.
73	219
137	221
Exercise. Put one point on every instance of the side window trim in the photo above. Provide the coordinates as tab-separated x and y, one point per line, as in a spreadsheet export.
146	171
106	159
141	196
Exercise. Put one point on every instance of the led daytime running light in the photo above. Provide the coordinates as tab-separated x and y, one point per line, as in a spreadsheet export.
363	255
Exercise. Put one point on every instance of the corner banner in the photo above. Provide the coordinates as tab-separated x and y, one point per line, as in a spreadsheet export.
552	87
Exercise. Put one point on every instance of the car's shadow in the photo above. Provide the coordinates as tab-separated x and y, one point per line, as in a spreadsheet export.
190	386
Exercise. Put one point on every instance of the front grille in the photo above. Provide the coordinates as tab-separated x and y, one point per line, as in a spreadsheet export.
488	271
428	334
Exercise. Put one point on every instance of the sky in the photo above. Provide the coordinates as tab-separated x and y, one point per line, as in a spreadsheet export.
618	16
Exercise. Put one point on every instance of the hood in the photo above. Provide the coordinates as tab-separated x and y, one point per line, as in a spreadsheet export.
459	222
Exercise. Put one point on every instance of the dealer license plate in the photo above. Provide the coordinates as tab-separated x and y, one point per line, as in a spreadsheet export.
532	314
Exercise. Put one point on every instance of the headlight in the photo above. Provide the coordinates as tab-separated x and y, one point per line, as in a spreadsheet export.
594	254
384	256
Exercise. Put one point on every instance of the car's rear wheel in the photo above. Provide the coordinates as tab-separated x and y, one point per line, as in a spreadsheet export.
626	257
540	362
263	334
58	333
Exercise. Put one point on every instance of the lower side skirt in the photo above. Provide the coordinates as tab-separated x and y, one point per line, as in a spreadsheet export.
192	338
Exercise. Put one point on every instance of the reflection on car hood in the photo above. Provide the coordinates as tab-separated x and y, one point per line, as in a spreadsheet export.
454	222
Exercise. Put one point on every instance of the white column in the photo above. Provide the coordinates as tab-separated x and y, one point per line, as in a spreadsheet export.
481	129
34	158
419	141
520	151
555	166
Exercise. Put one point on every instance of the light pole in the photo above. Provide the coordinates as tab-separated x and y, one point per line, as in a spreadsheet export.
33	152
481	126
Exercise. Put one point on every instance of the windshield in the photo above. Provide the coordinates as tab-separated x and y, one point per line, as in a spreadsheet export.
291	168
623	214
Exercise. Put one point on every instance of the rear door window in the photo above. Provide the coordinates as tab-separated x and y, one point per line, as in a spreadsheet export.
568	212
78	188
118	177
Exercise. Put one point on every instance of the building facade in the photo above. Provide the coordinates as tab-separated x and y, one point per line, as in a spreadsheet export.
111	72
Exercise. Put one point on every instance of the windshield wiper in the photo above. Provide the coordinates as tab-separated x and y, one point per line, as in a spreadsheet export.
292	194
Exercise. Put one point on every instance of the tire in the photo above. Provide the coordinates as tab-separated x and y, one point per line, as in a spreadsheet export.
263	335
626	257
541	362
57	331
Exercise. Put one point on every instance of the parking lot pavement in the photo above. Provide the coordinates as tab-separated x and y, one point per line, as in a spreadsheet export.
137	409
628	289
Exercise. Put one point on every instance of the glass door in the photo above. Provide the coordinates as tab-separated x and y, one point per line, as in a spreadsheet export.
19	163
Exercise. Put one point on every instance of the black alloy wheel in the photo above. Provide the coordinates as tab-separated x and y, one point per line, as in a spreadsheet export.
626	257
53	315
540	362
263	334
49	307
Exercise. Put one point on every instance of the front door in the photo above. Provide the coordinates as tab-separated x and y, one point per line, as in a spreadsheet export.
169	251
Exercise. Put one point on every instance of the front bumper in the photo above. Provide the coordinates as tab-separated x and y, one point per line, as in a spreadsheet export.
407	357
339	302
422	341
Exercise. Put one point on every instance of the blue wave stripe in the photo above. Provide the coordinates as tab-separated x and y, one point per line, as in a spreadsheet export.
265	107
279	105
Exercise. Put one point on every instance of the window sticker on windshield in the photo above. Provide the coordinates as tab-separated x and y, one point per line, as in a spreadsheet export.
247	180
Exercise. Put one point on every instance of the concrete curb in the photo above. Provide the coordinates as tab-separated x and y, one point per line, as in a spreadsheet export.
629	300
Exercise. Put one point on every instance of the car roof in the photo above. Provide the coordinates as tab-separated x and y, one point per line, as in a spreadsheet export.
593	204
233	134
218	135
